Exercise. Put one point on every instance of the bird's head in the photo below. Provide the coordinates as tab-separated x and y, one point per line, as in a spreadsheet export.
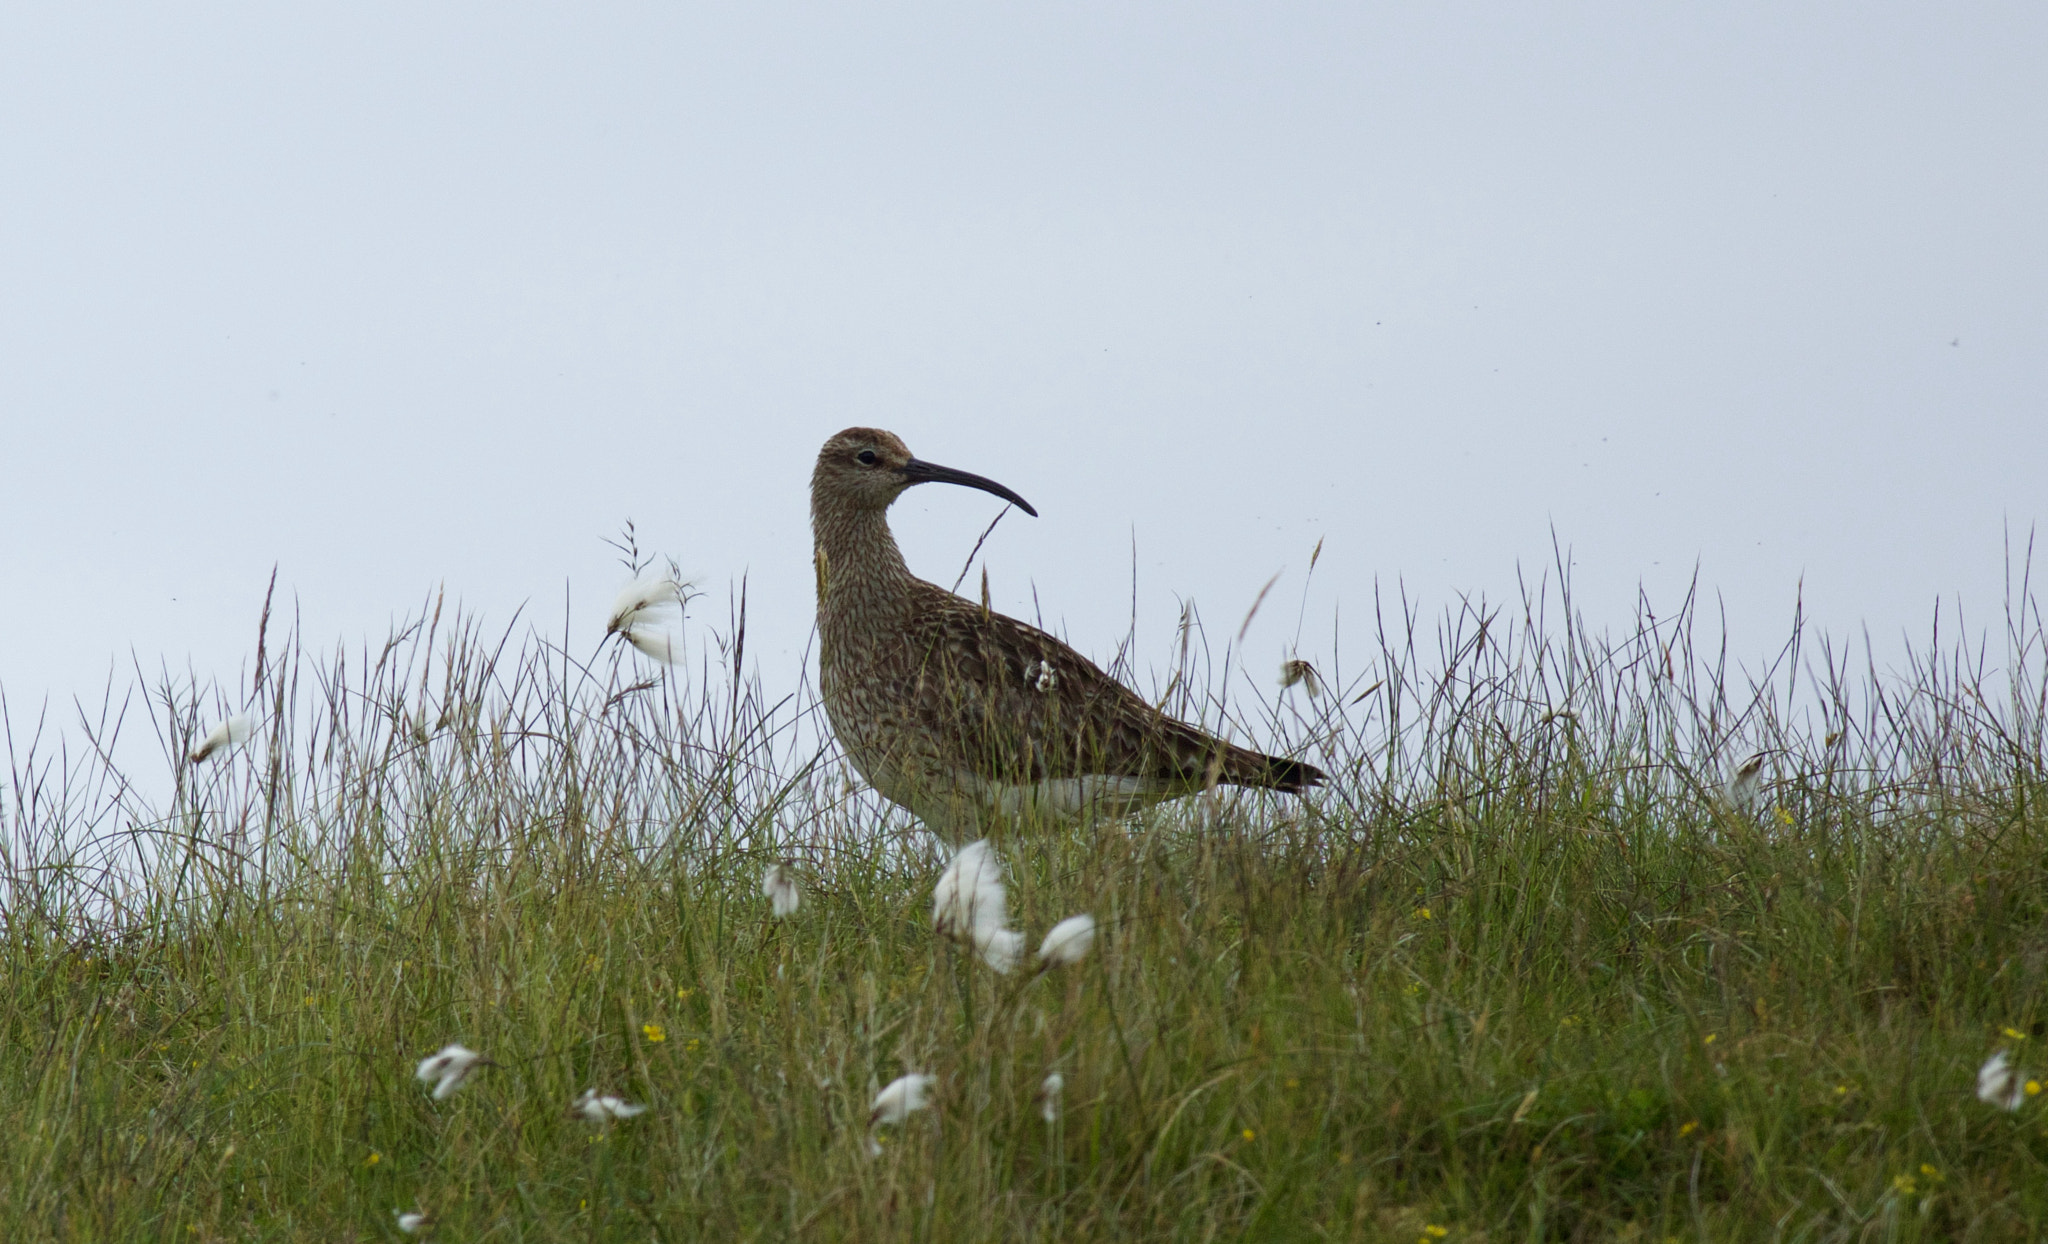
867	469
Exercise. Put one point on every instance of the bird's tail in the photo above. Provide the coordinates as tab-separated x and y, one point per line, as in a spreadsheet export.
1229	764
1281	774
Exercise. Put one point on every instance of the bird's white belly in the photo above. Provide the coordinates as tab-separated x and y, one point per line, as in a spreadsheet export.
1094	792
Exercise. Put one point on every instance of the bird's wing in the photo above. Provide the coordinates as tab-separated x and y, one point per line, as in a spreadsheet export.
1015	704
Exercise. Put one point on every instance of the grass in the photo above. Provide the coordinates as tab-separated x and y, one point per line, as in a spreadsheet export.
1530	969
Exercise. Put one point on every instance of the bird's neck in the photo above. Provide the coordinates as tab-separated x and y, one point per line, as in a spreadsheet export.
860	569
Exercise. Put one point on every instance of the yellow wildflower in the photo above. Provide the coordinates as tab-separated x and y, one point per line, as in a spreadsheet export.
1710	1038
1421	913
1905	1185
2015	1034
1689	1128
374	1158
654	1033
1248	1133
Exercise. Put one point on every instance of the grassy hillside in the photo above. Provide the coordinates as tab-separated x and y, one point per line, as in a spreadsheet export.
1537	966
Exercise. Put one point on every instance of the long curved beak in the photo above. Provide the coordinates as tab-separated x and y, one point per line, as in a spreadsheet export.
918	471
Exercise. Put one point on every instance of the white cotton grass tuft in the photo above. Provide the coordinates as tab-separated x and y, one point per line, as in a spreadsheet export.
905	1096
410	1221
2000	1084
634	616
642	597
1295	671
603	1108
448	1069
969	892
1067	943
1049	1091
1746	780
779	887
231	733
968	906
1000	949
1042	676
651	641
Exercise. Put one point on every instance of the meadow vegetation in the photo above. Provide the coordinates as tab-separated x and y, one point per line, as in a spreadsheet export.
1589	938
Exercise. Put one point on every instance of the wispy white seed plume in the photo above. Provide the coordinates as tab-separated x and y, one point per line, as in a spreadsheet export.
1049	1096
642	597
233	732
1068	942
968	906
999	948
779	887
969	894
448	1069
1295	671
603	1108
1746	781
2000	1083
904	1097
652	641
1042	676
410	1221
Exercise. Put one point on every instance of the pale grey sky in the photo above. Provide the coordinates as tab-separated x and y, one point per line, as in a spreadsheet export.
400	295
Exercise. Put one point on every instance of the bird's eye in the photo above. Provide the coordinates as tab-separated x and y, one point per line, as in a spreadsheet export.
866	457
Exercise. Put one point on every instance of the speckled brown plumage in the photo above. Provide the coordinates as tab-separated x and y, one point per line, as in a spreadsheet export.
964	715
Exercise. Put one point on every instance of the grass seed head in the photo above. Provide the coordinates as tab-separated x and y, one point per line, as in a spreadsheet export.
603	1108
1068	942
1747	779
231	733
448	1069
642	597
1049	1091
652	641
969	892
2000	1083
905	1096
968	906
779	887
1042	676
1295	670
999	948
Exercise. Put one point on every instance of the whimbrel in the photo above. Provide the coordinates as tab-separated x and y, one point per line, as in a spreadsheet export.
965	716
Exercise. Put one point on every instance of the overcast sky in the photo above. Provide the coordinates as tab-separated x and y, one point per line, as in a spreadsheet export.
399	295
